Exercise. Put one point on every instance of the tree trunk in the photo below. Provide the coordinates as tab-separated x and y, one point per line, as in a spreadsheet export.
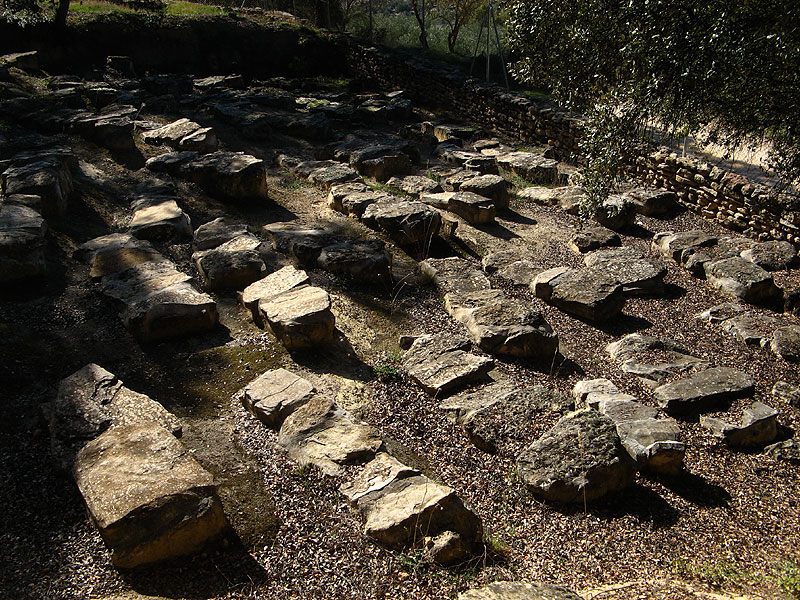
420	15
60	22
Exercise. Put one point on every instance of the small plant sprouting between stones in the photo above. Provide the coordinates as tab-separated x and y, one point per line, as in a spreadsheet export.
386	369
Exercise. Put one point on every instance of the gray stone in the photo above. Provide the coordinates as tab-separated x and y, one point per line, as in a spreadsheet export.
512	590
90	401
322	434
654	444
584	389
721	312
651	359
149	498
327	177
474	209
533	168
589	293
448	548
440	363
493	187
406	223
380	162
593	238
217	232
786	343
228	175
673	245
494	261
637	275
22	243
170	134
275	395
787	392
49	178
786	451
654	202
204	140
276	283
759	427
231	266
160	219
521	272
113	253
752	328
742	279
510	416
300	318
401	507
703	391
580	459
502	326
454	275
415	185
772	256
303	244
565	197
358	261
355	203
616	212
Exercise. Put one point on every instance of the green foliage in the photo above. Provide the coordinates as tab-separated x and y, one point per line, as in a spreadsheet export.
789	579
23	13
193	8
727	71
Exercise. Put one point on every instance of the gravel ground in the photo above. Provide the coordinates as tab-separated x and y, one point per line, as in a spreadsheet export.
727	527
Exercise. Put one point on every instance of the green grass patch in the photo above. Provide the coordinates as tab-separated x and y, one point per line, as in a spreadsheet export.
193	8
97	7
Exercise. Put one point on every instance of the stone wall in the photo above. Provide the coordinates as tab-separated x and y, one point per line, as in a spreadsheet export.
716	194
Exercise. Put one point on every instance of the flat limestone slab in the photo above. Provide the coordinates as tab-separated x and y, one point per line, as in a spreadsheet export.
742	279
163	220
300	317
703	391
272	285
275	395
513	590
440	364
149	498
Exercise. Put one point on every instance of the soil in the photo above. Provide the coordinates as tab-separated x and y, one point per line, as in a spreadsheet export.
729	527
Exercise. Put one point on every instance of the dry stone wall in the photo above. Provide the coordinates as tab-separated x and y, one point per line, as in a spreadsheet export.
727	197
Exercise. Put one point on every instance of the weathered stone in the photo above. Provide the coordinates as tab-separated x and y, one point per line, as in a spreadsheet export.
786	451
354	204
772	256
90	401
502	326
407	223
272	285
511	590
673	245
752	328
589	293
533	168
359	261
787	392
509	416
415	185
48	178
786	343
300	318
149	498
303	244
637	275
744	280
401	507
578	460
493	187
721	312
654	202
440	363
448	548
586	388
471	207
275	395
231	266
217	82
327	177
22	243
217	232
454	275
703	391
229	175
568	198
651	359
759	427
117	252
322	434
204	140
380	162
593	238
160	218
616	212
171	133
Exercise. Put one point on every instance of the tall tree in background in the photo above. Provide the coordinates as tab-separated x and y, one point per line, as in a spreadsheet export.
422	9
729	71
456	14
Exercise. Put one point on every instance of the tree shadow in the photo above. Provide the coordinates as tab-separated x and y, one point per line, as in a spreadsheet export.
130	158
515	217
622	325
496	230
339	358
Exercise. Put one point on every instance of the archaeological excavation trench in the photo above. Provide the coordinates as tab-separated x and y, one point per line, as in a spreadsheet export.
275	334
